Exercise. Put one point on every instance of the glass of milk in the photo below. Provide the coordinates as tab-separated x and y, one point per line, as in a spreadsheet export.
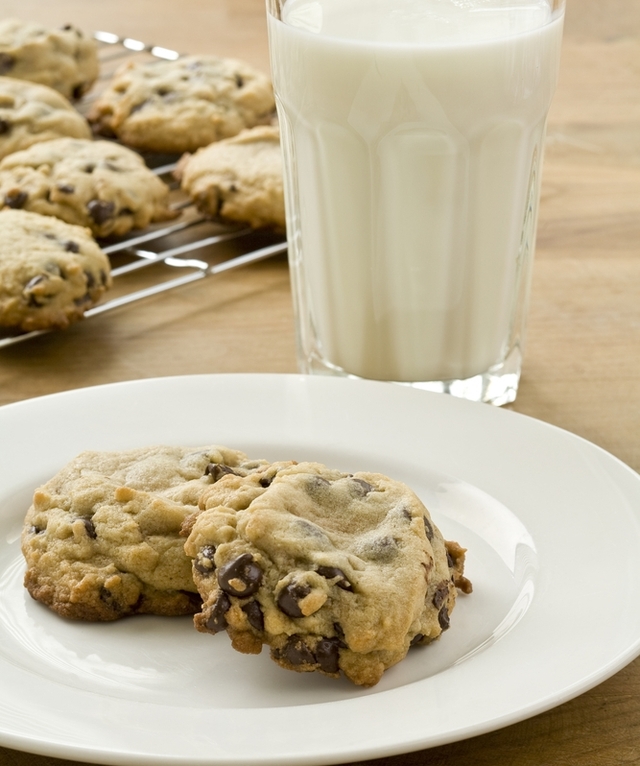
412	135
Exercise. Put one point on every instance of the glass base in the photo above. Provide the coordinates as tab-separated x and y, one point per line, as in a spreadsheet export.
498	386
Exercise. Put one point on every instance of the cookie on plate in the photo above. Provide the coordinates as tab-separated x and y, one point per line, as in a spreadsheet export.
102	537
51	272
238	179
30	113
179	106
335	572
97	184
63	59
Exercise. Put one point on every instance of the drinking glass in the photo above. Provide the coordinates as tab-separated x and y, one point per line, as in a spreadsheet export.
412	134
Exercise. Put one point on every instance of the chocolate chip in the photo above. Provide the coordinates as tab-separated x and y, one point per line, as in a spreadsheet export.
89	168
363	486
296	652
240	577
71	247
331	572
66	188
79	90
36	300
203	561
253	610
194	600
89	527
443	618
217	621
5	127
416	639
35	530
316	486
383	549
441	594
100	210
7	62
266	481
90	279
339	634
15	199
82	300
218	470
106	596
428	528
328	654
239	81
289	597
453	555
306	528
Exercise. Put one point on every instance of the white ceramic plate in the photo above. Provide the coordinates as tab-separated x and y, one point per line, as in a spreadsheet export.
550	521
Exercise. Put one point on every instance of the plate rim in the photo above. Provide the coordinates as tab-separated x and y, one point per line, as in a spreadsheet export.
112	756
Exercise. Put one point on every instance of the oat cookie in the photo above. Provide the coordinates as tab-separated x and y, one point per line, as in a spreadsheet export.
51	272
63	59
97	184
101	539
337	573
181	105
238	178
30	113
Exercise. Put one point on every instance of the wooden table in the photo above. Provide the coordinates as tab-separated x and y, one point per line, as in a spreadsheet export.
582	363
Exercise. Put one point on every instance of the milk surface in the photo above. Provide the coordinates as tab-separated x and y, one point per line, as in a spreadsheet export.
413	134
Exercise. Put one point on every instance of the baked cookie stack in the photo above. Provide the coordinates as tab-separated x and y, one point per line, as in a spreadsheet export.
51	165
337	573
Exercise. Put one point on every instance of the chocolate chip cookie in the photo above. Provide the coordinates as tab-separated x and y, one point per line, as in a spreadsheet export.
179	106
238	179
30	113
337	573
97	184
102	538
51	272
63	59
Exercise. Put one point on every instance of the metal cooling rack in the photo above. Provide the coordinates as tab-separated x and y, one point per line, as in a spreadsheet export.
164	256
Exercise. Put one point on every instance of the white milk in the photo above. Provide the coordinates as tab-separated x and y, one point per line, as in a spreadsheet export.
413	134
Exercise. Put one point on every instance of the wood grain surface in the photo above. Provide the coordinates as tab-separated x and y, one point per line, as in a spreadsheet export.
582	360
